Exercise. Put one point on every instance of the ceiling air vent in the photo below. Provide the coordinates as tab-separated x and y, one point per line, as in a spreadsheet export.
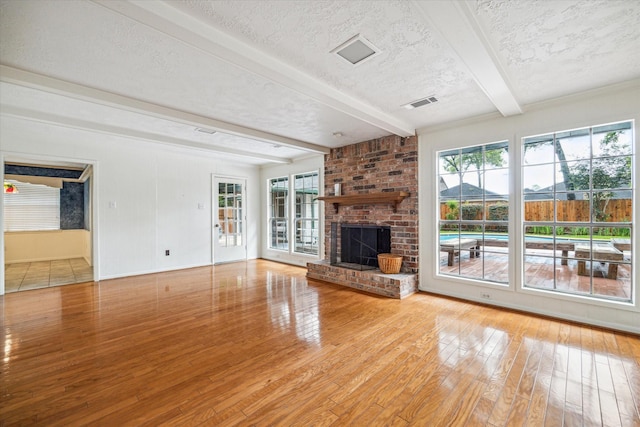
421	102
356	50
203	130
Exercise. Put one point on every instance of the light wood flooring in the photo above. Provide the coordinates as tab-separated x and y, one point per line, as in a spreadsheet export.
256	343
25	276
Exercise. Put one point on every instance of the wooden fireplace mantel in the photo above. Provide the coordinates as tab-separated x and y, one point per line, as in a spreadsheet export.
393	198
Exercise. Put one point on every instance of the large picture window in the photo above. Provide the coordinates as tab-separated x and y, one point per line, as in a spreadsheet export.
578	201
473	204
306	220
279	213
294	218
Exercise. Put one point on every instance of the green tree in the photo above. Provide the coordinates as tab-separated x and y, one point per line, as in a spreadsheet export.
452	205
608	171
564	168
473	161
566	173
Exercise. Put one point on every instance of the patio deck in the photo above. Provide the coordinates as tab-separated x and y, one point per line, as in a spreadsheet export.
539	273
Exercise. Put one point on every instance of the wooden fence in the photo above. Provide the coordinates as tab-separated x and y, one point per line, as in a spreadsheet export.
615	210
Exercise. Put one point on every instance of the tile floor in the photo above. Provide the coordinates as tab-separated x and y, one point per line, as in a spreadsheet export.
43	274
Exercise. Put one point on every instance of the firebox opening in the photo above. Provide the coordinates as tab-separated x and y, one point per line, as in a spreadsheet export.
360	245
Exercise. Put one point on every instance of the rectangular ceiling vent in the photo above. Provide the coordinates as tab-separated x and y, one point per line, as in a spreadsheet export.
356	50
421	102
203	130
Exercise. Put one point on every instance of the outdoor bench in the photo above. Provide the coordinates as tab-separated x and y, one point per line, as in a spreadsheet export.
601	253
454	246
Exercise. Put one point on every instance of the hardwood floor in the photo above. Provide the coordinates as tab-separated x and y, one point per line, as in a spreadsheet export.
257	343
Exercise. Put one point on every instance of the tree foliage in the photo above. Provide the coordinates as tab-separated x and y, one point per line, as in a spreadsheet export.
473	161
607	172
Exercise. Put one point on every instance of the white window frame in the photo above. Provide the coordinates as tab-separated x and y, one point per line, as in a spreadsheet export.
488	243
309	239
278	226
558	258
286	227
478	290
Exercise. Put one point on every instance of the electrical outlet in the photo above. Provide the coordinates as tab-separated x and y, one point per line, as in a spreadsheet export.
485	295
167	253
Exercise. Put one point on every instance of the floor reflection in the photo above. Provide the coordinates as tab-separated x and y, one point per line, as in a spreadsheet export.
257	343
293	306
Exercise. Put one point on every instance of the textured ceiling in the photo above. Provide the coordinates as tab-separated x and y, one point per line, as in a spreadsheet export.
555	48
413	64
262	73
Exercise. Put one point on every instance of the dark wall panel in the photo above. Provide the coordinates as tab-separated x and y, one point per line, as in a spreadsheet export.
87	204
72	206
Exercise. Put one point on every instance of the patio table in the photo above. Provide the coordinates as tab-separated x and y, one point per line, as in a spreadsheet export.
559	246
453	247
600	253
621	244
529	244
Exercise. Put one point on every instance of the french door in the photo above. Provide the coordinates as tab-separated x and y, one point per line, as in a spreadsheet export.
229	220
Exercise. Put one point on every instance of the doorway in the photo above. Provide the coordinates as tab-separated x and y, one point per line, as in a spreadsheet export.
229	220
48	236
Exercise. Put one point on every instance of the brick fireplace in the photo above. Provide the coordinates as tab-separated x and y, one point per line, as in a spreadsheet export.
385	165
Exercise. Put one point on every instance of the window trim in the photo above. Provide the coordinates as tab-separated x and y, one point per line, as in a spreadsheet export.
294	208
291	218
483	222
522	223
271	218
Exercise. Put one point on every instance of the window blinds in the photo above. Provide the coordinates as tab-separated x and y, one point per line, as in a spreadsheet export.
34	207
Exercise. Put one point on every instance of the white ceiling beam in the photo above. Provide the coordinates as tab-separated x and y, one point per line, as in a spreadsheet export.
74	123
459	29
97	96
163	17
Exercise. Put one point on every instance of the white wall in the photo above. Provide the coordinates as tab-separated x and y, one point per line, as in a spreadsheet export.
145	195
597	107
310	164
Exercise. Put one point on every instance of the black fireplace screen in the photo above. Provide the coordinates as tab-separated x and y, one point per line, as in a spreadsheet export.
357	246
